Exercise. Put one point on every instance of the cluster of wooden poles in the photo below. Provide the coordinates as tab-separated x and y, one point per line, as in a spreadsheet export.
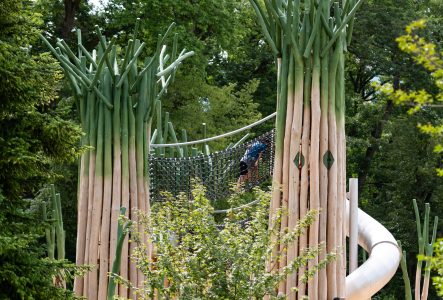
309	39
55	234
116	100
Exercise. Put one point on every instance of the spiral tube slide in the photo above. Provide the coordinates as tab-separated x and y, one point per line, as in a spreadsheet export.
383	261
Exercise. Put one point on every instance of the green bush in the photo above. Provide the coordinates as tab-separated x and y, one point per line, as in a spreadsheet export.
437	266
200	259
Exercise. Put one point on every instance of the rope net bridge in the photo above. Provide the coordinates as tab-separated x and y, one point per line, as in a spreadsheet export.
218	172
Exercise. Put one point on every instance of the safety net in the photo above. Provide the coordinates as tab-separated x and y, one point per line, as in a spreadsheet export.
220	172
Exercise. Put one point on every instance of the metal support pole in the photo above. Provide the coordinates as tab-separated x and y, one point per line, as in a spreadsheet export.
353	224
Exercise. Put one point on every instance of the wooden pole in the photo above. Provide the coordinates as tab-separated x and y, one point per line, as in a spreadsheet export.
294	172
96	209
122	290
304	164
314	164
324	155
286	160
341	178
105	224
116	173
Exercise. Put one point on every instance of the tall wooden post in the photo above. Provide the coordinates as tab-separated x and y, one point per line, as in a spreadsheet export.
309	39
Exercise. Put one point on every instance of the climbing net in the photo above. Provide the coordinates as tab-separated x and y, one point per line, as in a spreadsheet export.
219	172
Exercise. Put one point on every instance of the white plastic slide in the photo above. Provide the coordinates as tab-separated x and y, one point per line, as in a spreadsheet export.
383	261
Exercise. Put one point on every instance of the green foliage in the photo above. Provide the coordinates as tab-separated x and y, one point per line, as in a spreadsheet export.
200	259
30	137
24	272
222	34
437	265
425	54
402	169
223	109
374	53
53	15
407	150
206	26
33	137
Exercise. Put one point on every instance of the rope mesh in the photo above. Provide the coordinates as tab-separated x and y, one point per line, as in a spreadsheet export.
218	172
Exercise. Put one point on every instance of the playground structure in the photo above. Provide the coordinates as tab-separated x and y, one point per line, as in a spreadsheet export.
361	282
119	98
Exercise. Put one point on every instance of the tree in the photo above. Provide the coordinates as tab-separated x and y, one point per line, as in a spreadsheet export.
33	137
427	55
223	109
374	55
207	27
416	162
62	17
216	31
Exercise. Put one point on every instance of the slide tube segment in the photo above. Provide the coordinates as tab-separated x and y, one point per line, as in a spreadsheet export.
383	261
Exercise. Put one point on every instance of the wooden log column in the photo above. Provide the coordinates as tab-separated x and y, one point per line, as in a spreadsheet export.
309	39
116	100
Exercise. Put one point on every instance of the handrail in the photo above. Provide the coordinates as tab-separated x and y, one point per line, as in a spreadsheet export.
383	261
217	136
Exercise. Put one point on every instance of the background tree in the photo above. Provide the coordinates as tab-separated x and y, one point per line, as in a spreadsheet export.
214	30
33	137
375	56
62	17
404	149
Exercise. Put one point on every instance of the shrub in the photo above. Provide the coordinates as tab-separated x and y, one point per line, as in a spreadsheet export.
196	258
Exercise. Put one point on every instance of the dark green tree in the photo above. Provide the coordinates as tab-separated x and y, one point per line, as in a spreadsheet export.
206	27
33	137
376	56
394	161
61	17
